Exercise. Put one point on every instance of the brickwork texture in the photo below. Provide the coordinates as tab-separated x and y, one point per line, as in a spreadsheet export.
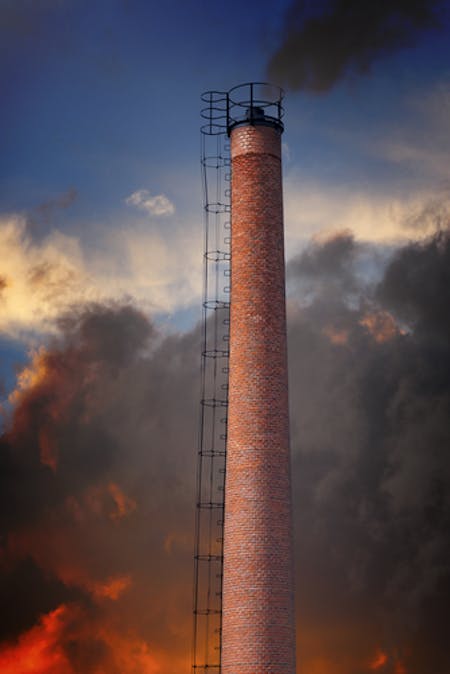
258	591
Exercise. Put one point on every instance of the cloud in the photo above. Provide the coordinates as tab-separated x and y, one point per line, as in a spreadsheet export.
328	258
325	43
41	278
39	650
370	427
105	530
157	205
43	273
104	546
52	646
416	285
384	217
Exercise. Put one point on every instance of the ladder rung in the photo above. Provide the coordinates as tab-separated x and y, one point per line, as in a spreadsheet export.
205	666
214	402
208	558
216	353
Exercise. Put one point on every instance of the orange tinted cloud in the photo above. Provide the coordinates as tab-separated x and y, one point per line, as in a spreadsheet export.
43	649
111	588
381	325
105	500
44	383
335	335
132	655
56	551
379	660
321	665
30	376
124	505
38	651
334	647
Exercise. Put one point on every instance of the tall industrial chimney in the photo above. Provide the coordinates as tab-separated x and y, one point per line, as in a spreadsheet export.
257	625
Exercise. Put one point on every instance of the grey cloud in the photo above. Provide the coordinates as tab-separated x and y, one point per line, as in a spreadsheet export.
417	285
371	467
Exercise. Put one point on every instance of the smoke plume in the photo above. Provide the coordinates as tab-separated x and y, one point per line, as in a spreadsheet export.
370	396
96	494
98	462
324	42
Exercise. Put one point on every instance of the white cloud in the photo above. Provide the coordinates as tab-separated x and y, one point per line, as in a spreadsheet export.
37	280
157	205
312	207
159	271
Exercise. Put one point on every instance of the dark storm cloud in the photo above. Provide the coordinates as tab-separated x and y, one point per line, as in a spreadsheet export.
96	485
417	285
325	42
97	475
371	432
55	420
28	592
328	263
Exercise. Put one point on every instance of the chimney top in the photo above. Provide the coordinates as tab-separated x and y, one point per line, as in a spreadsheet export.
254	103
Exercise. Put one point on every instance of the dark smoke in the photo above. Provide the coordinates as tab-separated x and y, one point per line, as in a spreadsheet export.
325	42
328	264
96	488
98	463
417	283
371	432
28	592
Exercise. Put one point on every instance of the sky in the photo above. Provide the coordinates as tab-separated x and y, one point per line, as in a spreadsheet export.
100	299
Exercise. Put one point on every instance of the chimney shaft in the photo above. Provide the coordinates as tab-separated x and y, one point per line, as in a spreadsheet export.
258	628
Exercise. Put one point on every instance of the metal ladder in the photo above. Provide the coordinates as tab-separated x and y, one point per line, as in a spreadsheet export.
212	437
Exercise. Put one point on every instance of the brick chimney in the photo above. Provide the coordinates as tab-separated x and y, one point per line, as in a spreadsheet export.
258	624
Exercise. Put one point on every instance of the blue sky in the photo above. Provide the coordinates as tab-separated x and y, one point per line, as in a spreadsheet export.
104	95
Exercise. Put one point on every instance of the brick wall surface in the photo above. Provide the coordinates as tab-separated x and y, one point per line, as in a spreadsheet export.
258	602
